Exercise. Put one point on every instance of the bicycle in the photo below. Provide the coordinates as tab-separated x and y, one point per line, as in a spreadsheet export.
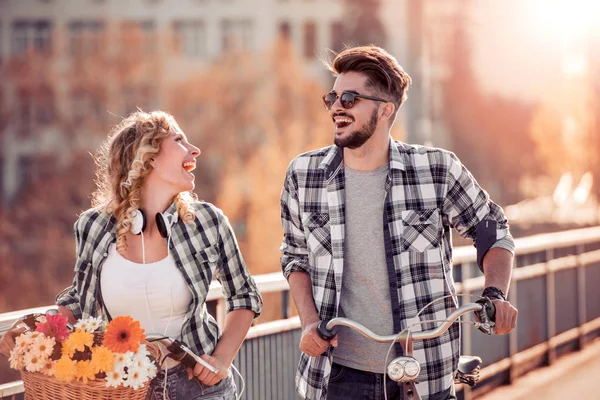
405	369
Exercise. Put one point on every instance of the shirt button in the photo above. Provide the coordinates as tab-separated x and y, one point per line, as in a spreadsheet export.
179	263
105	254
395	311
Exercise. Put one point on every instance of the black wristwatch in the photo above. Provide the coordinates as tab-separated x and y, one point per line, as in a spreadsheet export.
492	292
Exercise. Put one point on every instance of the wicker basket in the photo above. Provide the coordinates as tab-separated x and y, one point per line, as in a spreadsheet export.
43	387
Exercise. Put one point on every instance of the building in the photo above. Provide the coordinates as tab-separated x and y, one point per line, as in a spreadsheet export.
199	30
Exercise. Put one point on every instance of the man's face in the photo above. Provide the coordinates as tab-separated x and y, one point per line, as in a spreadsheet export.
354	126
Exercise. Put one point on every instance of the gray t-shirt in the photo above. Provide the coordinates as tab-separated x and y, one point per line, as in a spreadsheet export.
365	294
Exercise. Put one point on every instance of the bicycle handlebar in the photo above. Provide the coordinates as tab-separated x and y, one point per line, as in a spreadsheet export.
327	329
180	352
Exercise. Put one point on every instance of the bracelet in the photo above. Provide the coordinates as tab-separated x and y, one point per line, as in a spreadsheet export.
493	292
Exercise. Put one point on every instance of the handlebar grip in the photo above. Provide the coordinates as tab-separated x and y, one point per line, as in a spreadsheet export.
177	353
488	307
324	333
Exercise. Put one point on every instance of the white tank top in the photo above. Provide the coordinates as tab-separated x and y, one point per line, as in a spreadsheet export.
155	294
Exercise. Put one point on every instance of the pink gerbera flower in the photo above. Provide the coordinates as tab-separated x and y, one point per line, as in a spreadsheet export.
55	326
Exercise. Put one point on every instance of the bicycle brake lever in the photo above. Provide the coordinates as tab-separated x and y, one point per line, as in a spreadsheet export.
487	316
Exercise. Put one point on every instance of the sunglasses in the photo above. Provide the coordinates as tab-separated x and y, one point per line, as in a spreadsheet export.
347	99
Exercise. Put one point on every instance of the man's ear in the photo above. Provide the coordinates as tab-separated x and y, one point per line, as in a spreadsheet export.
388	109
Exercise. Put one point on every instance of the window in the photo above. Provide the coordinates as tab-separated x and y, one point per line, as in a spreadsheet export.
310	40
190	38
85	37
31	34
35	107
337	36
139	96
237	34
140	35
87	107
285	30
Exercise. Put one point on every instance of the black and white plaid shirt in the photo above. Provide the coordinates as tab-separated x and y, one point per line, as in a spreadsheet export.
201	250
428	191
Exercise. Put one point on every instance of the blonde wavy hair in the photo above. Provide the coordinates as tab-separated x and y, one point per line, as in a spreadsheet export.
123	161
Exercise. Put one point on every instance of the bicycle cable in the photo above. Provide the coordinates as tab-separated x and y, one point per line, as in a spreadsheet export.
409	328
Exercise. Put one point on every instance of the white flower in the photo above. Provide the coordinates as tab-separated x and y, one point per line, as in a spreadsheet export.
43	346
151	370
34	362
90	324
140	362
122	360
142	351
115	378
27	338
95	323
83	325
48	367
136	377
16	359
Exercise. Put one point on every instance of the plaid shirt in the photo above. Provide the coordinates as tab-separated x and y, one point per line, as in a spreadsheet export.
428	191
202	250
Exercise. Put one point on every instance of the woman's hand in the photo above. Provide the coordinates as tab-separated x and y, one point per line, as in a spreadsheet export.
204	375
7	342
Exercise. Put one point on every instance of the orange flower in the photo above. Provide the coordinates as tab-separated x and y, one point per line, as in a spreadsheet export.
102	359
123	334
77	341
65	369
85	371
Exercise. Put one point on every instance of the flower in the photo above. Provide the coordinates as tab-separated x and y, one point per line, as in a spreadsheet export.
121	360
123	334
43	346
34	362
16	358
77	341
102	359
115	378
85	371
82	325
48	367
55	326
136	377
65	369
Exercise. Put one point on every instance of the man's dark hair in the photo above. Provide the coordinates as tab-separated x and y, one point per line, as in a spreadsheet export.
384	73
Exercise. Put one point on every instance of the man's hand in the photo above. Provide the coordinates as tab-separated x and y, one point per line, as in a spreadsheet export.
204	375
506	317
312	344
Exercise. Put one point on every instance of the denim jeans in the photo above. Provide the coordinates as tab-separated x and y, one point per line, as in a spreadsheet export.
348	383
179	387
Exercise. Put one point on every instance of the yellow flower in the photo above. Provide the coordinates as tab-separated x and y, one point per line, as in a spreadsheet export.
102	359
85	371
65	369
77	342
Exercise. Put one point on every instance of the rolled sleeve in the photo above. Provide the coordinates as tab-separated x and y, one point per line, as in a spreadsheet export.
466	204
293	247
239	287
70	297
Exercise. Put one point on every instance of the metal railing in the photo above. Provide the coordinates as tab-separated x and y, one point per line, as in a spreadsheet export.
559	312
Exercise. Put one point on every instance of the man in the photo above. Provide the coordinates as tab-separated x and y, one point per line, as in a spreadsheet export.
367	236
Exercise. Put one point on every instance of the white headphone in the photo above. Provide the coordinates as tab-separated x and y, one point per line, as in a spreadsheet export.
164	222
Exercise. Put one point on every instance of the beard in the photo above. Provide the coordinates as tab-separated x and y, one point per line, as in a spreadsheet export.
360	136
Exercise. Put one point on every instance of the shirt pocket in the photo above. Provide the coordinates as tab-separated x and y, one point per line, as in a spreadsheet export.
421	230
318	233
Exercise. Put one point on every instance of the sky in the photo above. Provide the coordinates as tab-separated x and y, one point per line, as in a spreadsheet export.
522	47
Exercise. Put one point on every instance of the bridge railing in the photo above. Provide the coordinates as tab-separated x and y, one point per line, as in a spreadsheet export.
552	287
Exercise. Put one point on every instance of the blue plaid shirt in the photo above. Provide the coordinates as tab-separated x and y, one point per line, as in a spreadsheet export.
428	192
202	250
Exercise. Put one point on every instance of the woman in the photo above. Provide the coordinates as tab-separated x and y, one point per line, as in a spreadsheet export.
149	249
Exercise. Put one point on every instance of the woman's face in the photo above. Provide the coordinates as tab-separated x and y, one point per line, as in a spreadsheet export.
174	163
